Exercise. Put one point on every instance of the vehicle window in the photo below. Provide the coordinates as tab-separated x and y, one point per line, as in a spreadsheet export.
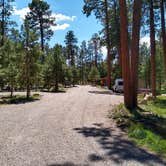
120	83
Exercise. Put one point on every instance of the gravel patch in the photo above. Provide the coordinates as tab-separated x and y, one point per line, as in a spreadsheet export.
67	129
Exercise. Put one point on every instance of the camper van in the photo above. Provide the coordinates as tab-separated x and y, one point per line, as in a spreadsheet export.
118	86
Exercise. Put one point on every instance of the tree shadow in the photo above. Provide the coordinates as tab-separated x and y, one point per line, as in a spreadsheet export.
152	122
17	100
59	91
67	164
161	103
116	147
71	86
105	93
147	119
95	158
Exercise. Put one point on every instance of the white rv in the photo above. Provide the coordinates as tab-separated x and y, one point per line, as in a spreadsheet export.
118	86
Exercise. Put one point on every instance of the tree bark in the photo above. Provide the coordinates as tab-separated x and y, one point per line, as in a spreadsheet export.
28	91
27	59
125	53
27	73
42	37
56	86
108	42
152	50
163	31
82	70
118	37
11	91
135	50
96	53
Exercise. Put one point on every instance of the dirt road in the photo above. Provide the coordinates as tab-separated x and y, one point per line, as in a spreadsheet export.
67	129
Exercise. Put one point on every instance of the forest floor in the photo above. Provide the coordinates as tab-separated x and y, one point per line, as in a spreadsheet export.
67	129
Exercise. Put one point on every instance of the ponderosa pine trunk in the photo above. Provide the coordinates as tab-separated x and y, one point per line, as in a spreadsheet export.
28	91
163	31
82	71
108	42
11	91
56	85
118	38
96	53
41	34
152	50
42	39
27	74
125	53
135	50
28	86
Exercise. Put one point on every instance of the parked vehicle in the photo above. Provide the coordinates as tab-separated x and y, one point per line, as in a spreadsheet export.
118	86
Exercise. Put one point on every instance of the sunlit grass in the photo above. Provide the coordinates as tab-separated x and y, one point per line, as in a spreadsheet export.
147	130
158	106
147	138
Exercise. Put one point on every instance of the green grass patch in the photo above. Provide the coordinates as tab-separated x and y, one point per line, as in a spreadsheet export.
140	96
121	115
18	99
101	87
147	126
147	138
157	106
163	91
61	89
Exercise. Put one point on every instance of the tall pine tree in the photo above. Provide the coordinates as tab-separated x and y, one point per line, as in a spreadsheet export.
6	9
40	19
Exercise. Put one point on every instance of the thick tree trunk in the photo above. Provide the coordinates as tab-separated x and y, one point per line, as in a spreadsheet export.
153	50
118	35
28	91
42	37
125	53
56	86
95	46
135	50
11	91
163	31
108	42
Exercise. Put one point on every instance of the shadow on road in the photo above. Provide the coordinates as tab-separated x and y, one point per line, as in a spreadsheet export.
59	91
117	148
17	100
105	93
67	164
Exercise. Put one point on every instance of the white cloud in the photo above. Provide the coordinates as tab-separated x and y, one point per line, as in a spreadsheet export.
21	12
60	27
61	17
104	50
58	17
145	39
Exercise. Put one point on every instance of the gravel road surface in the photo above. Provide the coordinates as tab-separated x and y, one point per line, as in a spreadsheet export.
67	129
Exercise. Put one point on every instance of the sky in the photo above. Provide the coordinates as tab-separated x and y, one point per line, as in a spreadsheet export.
69	16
